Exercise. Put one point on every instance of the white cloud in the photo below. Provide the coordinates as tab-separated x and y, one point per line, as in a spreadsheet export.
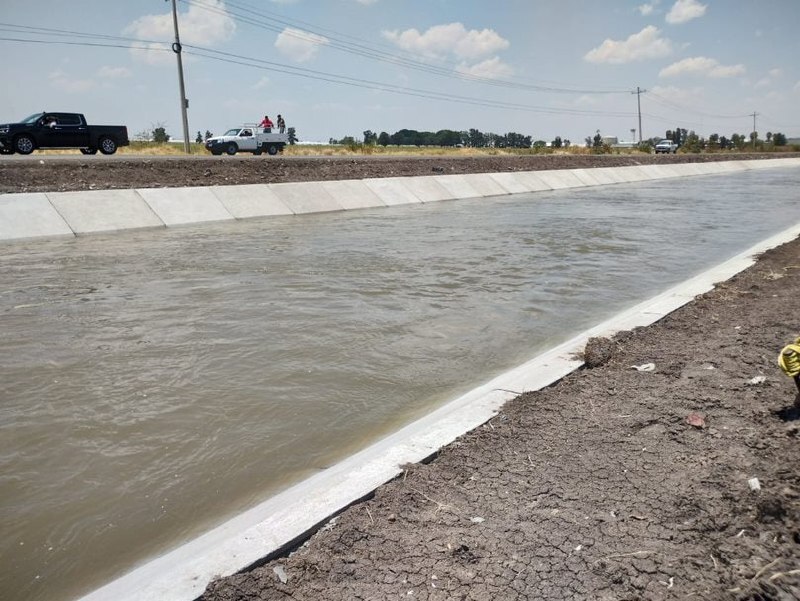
261	83
198	25
366	2
492	68
646	44
775	73
298	45
647	9
71	85
454	39
685	10
701	65
113	72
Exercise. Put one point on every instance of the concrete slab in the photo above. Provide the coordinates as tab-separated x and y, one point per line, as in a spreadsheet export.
178	206
685	169
532	181
30	215
633	173
663	171
353	194
306	197
427	189
484	184
104	210
612	174
457	186
392	191
601	176
250	200
586	176
559	179
511	182
283	520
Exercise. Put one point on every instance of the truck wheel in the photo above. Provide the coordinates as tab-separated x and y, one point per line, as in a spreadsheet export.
272	149
24	144
216	153
257	152
108	146
88	150
232	149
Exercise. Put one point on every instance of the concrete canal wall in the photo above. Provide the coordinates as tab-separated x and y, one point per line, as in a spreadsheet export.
49	214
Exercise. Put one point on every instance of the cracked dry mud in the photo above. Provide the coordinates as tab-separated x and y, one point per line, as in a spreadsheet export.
596	487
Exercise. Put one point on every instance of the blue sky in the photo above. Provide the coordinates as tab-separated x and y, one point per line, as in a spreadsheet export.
334	68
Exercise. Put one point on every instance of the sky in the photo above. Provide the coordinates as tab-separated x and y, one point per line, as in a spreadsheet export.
336	68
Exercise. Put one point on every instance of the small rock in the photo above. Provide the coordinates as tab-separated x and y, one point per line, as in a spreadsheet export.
754	484
696	419
477	520
757	380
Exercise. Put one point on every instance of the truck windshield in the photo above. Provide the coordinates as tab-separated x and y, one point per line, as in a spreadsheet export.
232	132
32	119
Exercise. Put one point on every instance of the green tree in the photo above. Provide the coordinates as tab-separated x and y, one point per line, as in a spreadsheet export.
384	139
779	139
557	142
160	135
208	135
370	138
292	136
199	138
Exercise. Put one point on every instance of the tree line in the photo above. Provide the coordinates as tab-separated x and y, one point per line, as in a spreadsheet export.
472	138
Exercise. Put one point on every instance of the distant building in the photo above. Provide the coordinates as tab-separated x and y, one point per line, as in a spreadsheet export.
610	140
793	141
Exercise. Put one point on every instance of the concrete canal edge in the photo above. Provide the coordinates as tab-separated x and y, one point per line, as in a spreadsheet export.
283	521
50	214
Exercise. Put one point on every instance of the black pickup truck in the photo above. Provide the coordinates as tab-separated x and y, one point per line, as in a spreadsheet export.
60	130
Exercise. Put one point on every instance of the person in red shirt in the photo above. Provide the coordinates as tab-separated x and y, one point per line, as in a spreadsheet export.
266	123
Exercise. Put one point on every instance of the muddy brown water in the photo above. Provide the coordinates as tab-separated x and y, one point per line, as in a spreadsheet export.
154	383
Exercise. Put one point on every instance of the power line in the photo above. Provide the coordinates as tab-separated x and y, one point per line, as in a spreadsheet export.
363	49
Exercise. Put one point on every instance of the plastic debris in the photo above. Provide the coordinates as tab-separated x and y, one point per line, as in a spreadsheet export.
477	520
754	484
281	574
644	367
757	380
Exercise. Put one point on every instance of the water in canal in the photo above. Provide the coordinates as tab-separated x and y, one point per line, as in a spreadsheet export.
153	383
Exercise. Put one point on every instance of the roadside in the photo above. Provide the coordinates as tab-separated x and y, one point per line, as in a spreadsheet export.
61	173
614	483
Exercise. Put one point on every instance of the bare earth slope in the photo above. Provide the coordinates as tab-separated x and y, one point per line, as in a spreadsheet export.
597	487
48	173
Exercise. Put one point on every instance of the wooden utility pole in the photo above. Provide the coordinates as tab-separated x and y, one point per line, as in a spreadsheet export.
755	134
177	48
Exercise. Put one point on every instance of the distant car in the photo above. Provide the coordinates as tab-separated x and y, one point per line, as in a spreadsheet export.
247	138
666	146
60	130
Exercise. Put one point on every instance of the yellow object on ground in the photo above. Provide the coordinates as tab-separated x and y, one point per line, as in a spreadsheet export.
789	359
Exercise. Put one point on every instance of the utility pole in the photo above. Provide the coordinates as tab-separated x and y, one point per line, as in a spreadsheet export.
177	48
639	93
755	135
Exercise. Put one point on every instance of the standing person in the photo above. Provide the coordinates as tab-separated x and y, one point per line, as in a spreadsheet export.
281	124
266	123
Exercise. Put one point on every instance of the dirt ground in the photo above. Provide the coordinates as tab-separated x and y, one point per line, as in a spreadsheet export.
49	173
597	487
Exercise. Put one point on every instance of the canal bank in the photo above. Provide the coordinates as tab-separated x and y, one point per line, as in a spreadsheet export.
49	214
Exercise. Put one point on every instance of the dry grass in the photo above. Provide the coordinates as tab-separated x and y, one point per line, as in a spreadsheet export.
176	149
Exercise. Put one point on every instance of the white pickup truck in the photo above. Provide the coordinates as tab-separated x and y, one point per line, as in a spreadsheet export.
247	138
666	146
